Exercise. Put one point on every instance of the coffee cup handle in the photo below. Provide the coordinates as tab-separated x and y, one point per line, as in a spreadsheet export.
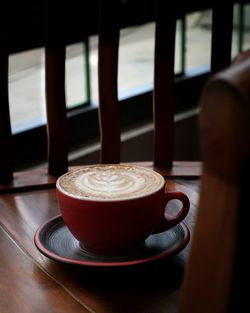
166	221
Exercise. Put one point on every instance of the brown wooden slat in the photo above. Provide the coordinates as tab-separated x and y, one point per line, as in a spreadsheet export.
107	76
164	85
57	127
6	171
222	26
56	111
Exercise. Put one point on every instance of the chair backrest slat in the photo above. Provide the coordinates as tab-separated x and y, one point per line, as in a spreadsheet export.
6	170
108	74
163	94
57	127
222	27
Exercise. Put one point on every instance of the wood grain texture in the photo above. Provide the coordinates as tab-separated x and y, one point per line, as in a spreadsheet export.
217	268
24	287
152	287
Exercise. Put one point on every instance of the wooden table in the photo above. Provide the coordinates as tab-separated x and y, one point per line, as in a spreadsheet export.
32	283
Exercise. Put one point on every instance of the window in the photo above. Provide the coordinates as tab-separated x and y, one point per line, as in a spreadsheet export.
26	73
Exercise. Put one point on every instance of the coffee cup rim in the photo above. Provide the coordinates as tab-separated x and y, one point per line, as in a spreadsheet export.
79	197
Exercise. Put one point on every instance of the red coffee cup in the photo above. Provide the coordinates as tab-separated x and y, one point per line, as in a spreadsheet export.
112	209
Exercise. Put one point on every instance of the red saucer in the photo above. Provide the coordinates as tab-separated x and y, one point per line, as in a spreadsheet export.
54	240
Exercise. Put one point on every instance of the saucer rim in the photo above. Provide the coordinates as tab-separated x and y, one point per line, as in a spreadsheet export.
164	254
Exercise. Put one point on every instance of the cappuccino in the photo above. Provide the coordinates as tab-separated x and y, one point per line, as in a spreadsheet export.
110	182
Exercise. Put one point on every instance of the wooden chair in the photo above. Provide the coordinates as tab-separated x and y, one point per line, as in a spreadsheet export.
163	102
164	81
218	268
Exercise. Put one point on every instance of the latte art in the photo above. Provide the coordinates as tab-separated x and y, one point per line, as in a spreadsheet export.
107	182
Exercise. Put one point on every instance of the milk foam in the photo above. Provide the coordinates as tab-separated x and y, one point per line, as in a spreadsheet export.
110	182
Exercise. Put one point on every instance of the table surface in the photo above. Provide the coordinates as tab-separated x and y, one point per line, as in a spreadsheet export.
30	282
